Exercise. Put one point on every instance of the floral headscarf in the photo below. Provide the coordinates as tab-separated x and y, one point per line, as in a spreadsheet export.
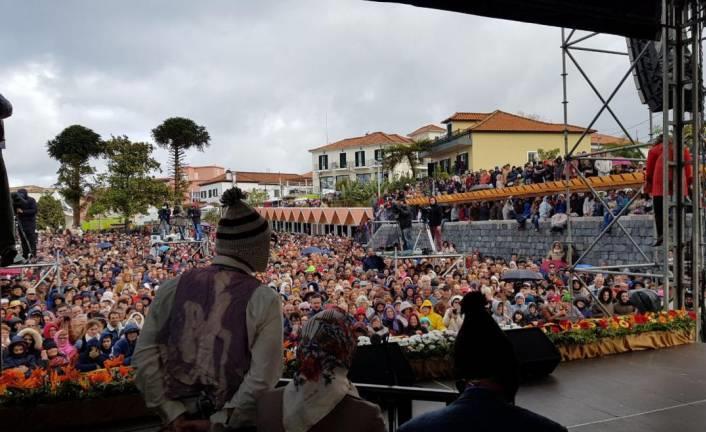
324	355
327	343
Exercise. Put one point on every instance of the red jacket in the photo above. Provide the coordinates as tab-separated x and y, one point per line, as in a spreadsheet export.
653	172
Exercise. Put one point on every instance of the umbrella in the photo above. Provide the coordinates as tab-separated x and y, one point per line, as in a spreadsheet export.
311	250
621	162
105	245
521	275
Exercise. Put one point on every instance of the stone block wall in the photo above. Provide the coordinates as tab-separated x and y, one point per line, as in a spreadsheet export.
502	238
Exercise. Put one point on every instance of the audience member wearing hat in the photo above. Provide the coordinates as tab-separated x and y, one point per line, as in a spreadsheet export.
489	380
320	397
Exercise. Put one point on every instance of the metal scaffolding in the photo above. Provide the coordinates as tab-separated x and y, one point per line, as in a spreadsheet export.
682	24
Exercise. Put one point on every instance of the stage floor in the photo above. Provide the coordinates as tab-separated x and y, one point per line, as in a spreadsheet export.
647	391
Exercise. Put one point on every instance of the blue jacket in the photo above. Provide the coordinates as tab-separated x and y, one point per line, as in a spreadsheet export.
481	410
85	362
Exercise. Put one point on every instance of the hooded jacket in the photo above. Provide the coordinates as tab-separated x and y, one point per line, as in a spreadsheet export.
12	360
86	363
36	348
123	346
436	320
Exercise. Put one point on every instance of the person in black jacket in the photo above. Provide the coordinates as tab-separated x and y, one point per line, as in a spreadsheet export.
404	218
8	251
27	216
487	366
436	215
194	213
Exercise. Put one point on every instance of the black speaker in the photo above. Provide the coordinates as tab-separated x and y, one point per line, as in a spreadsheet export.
648	72
536	354
382	363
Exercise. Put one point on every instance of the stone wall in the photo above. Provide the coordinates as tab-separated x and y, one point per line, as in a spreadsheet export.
502	238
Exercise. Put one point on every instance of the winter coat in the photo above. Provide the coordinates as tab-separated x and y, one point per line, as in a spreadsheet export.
653	171
86	363
436	320
452	320
436	215
123	346
485	411
11	360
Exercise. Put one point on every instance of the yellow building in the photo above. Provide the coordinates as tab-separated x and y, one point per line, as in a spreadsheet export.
476	141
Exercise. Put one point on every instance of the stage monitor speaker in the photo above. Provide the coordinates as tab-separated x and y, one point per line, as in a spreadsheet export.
645	300
648	73
382	363
536	354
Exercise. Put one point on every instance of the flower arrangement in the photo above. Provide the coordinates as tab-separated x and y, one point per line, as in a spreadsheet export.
66	383
590	330
433	344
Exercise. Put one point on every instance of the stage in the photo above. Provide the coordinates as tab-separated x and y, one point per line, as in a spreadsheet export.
647	391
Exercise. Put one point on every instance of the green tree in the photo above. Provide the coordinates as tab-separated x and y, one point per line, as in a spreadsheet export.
256	197
399	153
73	148
50	214
615	150
355	194
544	155
212	217
127	187
178	134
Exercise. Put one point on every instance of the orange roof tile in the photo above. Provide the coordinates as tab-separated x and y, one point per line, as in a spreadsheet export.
601	139
500	121
374	138
425	129
466	116
259	178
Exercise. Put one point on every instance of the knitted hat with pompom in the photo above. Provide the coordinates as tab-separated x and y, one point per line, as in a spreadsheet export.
243	234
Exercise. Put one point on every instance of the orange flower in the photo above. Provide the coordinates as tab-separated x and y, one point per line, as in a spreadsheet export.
662	319
114	362
585	325
100	376
672	313
124	371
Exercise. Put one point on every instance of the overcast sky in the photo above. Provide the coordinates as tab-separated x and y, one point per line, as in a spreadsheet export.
272	79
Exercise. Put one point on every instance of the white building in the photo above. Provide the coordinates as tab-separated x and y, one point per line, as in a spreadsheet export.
429	132
277	185
355	159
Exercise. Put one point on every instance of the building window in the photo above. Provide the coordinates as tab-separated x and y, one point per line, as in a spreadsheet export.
445	165
532	156
342	160
342	178
327	182
215	192
323	162
431	169
378	155
210	193
276	193
363	178
462	163
360	158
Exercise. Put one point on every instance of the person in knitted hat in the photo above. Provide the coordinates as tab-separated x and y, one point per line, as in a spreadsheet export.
487	370
213	337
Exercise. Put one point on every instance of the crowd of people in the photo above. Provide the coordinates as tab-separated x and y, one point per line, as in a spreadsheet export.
94	309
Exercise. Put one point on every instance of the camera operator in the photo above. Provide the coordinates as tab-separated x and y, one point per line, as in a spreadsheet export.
8	251
403	215
26	210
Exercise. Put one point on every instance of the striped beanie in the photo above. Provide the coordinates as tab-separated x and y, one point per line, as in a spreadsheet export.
242	233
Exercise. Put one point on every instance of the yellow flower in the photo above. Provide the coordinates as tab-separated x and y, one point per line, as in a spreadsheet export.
575	326
624	324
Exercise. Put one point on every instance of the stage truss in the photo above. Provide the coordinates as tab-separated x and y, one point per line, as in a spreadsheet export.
668	263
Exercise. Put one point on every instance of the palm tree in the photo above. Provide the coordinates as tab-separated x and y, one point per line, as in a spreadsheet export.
398	153
178	134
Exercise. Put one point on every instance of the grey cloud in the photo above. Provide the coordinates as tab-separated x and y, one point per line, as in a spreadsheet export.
263	76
